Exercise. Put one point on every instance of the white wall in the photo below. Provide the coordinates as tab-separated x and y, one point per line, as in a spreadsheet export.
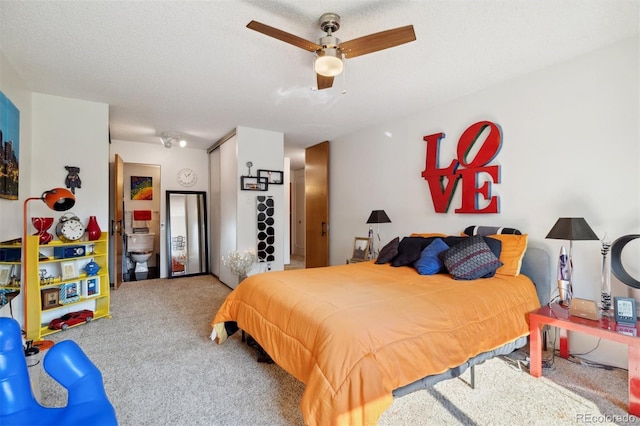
571	147
170	161
238	228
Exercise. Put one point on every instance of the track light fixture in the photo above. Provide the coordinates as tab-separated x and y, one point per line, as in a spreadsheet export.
169	138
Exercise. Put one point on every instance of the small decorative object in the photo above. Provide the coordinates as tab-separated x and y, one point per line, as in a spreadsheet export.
187	177
360	249
141	188
240	263
625	310
5	274
274	177
93	229
50	297
252	183
91	268
565	290
67	252
616	261
605	278
69	293
266	228
72	180
249	165
42	225
69	228
69	270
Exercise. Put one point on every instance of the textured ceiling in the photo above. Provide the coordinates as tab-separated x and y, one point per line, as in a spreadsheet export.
194	68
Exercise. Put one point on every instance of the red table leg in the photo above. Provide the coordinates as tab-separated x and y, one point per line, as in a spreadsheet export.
634	380
535	347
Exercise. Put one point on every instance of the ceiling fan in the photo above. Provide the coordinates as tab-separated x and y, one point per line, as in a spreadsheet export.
330	51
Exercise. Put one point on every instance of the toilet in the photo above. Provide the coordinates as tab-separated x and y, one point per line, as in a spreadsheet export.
140	249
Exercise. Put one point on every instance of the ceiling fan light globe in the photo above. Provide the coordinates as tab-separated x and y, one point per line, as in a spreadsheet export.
328	66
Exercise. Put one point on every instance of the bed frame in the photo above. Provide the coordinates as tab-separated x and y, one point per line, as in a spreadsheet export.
536	265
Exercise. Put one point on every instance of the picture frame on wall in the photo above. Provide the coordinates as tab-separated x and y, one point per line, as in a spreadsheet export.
50	297
253	183
273	177
360	249
69	270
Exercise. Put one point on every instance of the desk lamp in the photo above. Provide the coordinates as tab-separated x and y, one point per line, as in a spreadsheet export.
569	228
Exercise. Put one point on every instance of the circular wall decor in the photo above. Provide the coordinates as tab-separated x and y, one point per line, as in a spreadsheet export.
266	229
616	261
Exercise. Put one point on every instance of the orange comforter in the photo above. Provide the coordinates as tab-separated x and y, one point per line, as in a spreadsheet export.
354	333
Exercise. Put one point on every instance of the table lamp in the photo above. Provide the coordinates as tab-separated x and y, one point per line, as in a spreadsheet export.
376	216
569	228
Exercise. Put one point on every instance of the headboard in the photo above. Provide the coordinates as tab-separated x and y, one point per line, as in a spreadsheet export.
536	264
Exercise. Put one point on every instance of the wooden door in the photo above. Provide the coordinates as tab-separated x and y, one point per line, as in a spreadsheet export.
117	222
316	178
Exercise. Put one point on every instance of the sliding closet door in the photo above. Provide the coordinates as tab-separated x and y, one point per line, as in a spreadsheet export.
214	212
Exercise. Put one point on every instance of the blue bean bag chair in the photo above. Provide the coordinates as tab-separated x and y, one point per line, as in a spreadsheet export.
87	402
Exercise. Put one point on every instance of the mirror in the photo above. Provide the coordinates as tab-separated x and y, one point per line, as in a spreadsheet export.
187	233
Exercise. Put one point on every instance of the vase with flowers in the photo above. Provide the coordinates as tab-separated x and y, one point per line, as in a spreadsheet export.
240	262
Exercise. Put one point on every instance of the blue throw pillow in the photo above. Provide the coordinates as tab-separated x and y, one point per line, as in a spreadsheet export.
429	262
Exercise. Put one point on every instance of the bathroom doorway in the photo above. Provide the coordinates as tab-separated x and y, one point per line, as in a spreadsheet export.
141	221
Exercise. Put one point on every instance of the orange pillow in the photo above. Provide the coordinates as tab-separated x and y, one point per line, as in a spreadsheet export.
513	248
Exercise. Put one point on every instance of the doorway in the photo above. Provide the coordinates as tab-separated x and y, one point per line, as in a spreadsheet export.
141	222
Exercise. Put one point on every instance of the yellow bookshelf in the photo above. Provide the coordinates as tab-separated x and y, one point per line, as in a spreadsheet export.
57	282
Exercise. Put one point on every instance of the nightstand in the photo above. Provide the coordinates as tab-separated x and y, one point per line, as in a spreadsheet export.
605	328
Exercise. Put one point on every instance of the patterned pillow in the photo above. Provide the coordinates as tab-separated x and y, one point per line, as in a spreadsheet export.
471	259
388	252
429	262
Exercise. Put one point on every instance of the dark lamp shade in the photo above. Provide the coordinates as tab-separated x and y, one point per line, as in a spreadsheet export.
59	199
572	228
378	216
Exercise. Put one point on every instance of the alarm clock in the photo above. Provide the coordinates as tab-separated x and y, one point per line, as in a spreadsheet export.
69	228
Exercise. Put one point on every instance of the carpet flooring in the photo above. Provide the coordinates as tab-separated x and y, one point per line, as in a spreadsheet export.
160	367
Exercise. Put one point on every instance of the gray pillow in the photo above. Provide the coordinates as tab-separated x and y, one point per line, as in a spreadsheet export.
388	252
470	259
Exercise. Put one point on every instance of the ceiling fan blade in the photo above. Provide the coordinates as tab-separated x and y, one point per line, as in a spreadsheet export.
378	41
324	82
283	36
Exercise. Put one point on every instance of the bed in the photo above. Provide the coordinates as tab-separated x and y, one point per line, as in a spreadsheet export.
359	334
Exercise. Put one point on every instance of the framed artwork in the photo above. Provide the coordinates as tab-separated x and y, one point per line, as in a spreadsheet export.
50	298
69	293
253	183
9	148
273	177
360	249
69	270
141	188
91	287
5	274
